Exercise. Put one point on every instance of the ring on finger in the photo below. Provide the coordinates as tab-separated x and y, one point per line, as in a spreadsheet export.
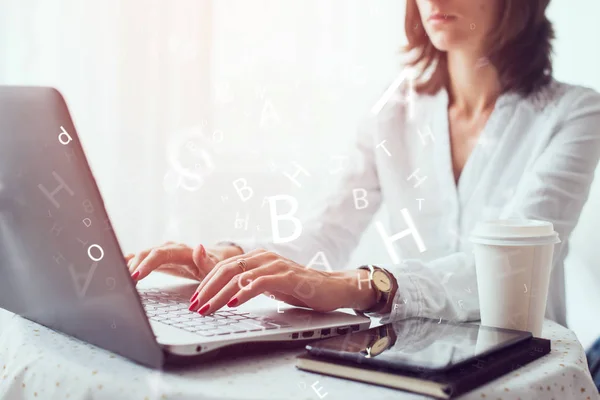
242	264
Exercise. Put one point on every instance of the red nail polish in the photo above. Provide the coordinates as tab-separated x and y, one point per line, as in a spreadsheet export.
232	302
204	309
194	296
193	305
135	275
202	251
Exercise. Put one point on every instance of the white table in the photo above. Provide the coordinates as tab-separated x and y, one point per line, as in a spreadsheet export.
38	363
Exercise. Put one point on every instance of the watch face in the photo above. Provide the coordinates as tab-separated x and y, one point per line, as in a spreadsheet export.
382	281
379	346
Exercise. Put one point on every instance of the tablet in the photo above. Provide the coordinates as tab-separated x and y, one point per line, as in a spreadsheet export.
419	344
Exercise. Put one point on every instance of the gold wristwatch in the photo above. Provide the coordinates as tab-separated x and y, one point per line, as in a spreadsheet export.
384	338
385	286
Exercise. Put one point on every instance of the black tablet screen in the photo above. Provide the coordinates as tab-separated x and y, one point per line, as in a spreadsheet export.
418	343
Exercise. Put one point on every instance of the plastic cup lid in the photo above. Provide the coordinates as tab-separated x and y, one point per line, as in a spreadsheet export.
515	230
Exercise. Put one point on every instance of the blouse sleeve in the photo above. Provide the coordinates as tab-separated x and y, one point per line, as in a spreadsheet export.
336	227
554	189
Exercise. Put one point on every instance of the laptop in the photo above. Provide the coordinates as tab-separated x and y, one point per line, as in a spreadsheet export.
61	264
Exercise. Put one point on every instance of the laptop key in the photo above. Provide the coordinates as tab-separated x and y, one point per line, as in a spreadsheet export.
187	316
280	324
196	321
205	333
223	331
204	328
237	328
187	328
217	322
264	325
225	313
160	305
249	327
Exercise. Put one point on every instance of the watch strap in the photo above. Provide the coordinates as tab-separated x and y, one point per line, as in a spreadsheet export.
382	298
378	303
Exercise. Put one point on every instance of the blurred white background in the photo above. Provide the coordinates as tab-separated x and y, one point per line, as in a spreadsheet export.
245	91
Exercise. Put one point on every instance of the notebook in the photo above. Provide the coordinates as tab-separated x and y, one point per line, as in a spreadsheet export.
437	358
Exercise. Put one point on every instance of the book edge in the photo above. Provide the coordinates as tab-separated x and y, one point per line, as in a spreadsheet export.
387	379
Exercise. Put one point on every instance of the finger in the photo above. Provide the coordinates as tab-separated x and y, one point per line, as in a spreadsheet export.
282	282
229	281
289	299
211	286
231	264
179	254
162	255
219	265
217	301
137	259
153	259
177	270
202	260
128	259
201	257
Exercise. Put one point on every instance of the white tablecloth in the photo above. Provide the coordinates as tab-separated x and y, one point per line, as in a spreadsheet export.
38	363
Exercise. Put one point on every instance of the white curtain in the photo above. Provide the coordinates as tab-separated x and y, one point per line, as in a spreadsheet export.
219	91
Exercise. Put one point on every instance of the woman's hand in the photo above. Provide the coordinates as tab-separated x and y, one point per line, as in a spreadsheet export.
240	278
175	259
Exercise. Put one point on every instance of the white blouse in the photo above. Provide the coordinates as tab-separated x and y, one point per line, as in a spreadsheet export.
535	158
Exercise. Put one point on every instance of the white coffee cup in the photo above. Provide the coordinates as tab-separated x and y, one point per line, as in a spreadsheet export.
513	259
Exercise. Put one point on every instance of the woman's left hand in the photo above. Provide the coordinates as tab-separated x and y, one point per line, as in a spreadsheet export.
240	278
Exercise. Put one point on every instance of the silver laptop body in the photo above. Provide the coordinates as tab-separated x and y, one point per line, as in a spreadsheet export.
57	241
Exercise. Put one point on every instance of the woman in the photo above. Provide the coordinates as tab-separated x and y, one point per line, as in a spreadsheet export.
489	134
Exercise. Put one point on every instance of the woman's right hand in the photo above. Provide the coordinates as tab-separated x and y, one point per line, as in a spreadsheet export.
175	259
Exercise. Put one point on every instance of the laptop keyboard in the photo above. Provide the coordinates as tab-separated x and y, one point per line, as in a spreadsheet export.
171	309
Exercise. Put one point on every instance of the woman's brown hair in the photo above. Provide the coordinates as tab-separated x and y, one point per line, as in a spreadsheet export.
520	48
